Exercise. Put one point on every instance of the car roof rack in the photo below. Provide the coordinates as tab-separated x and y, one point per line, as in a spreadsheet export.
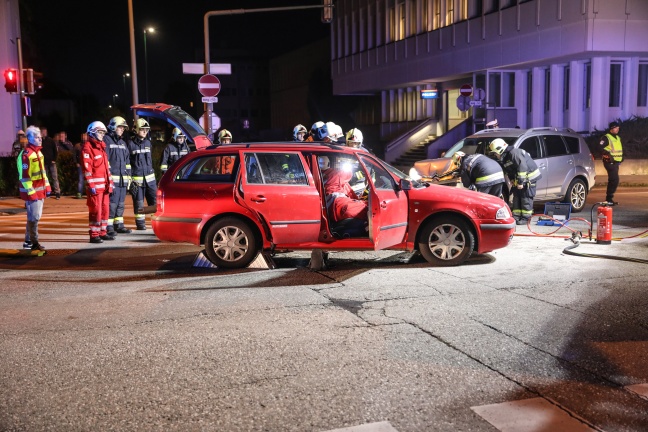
483	131
553	129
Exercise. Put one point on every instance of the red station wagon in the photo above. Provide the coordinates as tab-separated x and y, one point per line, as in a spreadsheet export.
240	199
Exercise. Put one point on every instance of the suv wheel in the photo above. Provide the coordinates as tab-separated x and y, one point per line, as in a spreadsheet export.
231	243
576	195
446	241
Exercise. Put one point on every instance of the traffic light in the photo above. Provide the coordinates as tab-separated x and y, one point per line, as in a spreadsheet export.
327	11
28	80
11	80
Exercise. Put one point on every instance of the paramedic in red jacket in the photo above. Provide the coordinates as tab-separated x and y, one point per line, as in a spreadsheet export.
34	186
99	183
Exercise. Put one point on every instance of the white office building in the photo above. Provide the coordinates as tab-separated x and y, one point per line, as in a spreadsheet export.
529	63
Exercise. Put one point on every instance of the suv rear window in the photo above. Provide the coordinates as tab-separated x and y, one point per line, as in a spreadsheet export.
573	143
554	145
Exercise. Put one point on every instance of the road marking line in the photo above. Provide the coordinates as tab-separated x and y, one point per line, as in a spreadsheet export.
640	389
528	415
383	426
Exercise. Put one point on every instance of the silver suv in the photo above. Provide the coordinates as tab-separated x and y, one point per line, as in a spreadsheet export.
566	164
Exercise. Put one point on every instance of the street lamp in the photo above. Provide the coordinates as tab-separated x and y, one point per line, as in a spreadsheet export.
114	99
147	30
124	75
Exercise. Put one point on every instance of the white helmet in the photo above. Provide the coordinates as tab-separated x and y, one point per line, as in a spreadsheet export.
141	124
94	127
319	131
456	158
177	133
117	121
354	138
497	147
224	134
299	129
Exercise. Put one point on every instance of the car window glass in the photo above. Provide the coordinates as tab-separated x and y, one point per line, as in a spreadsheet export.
572	144
554	145
531	146
220	168
275	168
380	176
482	143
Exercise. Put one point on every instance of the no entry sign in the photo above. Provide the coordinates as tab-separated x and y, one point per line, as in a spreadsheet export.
208	85
466	90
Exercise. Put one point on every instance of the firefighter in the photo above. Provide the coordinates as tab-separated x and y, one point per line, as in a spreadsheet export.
224	137
354	138
480	173
316	132
34	186
99	184
523	172
174	150
299	133
143	183
120	170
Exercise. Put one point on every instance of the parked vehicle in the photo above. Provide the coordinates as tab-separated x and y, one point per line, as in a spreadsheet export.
243	198
564	160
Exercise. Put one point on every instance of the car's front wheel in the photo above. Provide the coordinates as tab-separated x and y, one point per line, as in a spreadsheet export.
576	195
231	243
446	241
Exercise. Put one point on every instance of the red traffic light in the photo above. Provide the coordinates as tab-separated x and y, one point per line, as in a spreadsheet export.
11	80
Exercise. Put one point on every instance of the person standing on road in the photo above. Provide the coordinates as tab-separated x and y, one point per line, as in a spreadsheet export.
99	184
143	184
612	157
523	172
34	186
174	150
120	170
50	152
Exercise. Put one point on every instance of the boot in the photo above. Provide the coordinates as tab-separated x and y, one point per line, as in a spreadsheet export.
121	229
96	240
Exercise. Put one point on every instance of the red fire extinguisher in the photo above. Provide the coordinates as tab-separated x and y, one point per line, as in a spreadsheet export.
604	224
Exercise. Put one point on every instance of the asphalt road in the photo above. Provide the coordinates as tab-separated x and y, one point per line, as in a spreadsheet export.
127	335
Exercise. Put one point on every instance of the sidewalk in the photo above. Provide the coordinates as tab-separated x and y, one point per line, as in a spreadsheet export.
67	204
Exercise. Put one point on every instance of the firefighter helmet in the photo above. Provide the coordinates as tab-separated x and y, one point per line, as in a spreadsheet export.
94	128
299	129
224	135
457	157
319	131
497	147
177	133
354	138
117	121
316	125
140	123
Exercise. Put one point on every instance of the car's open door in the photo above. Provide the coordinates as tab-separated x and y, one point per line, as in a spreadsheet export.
388	206
178	118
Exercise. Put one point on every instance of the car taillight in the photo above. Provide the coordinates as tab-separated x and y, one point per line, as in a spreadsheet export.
160	200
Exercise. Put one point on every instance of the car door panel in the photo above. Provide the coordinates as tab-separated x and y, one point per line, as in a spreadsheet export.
534	147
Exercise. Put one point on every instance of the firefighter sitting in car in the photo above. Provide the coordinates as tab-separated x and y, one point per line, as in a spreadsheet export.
348	212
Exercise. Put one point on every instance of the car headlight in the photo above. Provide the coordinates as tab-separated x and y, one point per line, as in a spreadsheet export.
502	213
414	175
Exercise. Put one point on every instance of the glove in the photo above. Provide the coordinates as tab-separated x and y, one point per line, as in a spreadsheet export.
133	188
48	193
93	191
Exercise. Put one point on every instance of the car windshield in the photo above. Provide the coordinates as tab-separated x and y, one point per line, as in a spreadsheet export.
476	145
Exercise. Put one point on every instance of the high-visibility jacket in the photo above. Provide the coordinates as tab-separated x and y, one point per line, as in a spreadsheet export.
33	178
614	147
96	167
172	152
520	166
119	158
141	161
480	170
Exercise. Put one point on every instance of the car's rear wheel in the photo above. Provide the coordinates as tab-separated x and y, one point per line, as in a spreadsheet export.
231	243
446	241
576	195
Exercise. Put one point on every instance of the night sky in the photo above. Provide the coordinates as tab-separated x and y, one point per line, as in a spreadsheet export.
83	47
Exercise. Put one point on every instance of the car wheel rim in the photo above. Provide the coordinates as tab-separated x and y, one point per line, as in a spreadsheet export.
446	242
578	195
230	243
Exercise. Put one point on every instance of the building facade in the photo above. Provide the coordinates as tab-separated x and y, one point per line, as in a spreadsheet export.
10	107
563	63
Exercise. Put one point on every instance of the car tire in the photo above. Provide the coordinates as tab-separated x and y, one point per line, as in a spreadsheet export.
576	195
231	243
446	241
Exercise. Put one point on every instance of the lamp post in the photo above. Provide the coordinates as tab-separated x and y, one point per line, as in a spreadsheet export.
147	30
114	99
124	75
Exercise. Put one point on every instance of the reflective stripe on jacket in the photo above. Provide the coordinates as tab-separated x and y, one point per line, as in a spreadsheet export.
480	170
141	160
119	158
520	166
614	147
96	167
33	178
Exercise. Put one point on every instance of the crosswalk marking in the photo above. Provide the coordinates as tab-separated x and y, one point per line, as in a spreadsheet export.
383	426
530	415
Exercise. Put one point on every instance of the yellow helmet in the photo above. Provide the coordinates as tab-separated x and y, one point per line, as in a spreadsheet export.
497	147
140	123
224	134
456	158
177	133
